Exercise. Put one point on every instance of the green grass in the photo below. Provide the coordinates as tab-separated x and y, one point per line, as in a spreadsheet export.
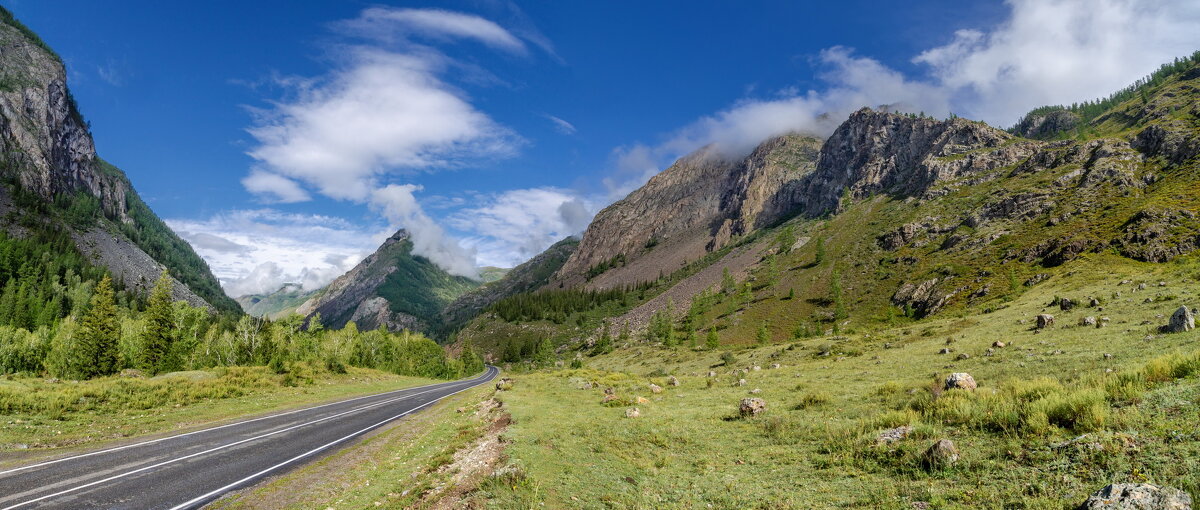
41	415
1052	421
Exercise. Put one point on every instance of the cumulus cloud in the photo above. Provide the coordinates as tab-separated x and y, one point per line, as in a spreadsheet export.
397	203
510	227
257	251
388	108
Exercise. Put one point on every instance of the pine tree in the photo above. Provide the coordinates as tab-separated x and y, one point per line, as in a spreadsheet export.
156	340
544	355
728	284
762	336
623	337
604	345
786	239
99	333
820	257
712	342
692	339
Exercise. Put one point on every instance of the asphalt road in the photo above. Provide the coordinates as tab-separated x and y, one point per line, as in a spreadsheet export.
189	470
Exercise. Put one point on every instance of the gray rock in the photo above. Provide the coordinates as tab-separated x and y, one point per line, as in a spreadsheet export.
1044	321
752	407
961	381
1087	321
1137	496
633	412
1181	321
941	454
893	435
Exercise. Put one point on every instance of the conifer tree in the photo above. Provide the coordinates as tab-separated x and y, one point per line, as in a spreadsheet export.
762	336
712	342
156	339
604	345
99	333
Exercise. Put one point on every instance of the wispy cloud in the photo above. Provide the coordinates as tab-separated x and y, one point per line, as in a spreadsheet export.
560	125
512	226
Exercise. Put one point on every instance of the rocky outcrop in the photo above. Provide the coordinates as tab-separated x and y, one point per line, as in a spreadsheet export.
923	298
960	381
1044	125
1137	496
1182	321
884	153
374	313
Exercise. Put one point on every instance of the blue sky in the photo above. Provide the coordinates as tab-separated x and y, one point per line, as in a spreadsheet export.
287	139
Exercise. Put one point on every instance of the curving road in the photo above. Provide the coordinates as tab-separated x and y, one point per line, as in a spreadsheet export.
192	469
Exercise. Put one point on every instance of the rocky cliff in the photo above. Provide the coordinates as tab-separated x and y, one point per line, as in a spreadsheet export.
47	154
391	288
532	275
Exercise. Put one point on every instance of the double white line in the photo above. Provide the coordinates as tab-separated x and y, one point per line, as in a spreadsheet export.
469	384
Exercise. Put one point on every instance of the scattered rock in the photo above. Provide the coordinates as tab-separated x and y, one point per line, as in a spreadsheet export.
610	391
608	398
741	382
1094	302
964	355
1137	496
1066	304
587	385
752	407
757	368
892	435
941	454
1182	320
776	366
1087	321
633	412
756	391
643	400
1044	321
960	380
1107	356
654	388
712	373
504	384
133	373
945	350
999	345
673	381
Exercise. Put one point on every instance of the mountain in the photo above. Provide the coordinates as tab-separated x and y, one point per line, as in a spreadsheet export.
391	288
530	276
699	204
55	184
892	217
282	302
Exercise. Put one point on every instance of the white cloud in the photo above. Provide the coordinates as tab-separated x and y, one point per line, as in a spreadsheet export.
1060	51
387	112
561	126
390	24
274	188
397	203
257	251
512	226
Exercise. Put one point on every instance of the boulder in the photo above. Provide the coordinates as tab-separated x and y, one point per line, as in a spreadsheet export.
941	454
776	366
1044	321
654	388
608	398
1137	496
1182	320
756	391
752	407
1087	321
504	384
587	385
963	356
673	381
1066	304
1094	302
945	350
643	400
712	373
741	382
757	368
999	345
633	412
960	381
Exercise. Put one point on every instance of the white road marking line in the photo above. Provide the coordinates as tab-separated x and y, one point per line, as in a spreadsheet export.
222	490
222	447
73	457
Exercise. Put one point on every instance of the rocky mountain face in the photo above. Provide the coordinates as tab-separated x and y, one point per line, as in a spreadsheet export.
697	205
391	288
532	275
47	154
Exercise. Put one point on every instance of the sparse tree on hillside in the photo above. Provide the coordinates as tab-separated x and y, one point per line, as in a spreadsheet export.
544	355
786	239
762	336
728	284
605	344
712	342
820	256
